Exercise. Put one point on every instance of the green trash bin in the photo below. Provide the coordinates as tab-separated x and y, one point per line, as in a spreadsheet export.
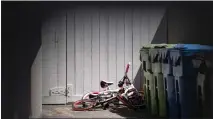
145	55
157	97
145	60
154	84
153	95
158	82
160	94
147	92
155	60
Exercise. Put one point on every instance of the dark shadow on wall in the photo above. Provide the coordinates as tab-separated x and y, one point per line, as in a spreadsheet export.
161	32
138	80
190	23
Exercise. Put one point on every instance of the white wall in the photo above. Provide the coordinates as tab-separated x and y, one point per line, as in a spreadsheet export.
100	42
36	86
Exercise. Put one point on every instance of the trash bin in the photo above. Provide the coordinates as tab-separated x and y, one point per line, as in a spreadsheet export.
160	94
166	66
170	94
200	94
147	91
145	56
155	60
153	95
185	61
182	58
165	59
157	93
186	97
168	79
145	60
204	87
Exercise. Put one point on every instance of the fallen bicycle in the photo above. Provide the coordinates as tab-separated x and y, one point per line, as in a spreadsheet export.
128	96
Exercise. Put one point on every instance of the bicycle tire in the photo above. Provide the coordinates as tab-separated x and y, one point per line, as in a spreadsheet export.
79	105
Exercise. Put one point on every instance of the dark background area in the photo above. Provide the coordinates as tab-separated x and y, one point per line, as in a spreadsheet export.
20	43
187	22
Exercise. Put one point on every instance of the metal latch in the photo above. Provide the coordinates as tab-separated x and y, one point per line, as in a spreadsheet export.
66	91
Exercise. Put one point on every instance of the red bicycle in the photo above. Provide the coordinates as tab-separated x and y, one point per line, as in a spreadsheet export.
128	96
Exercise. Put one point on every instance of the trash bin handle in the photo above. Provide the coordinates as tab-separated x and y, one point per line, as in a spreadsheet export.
177	62
165	60
156	58
203	67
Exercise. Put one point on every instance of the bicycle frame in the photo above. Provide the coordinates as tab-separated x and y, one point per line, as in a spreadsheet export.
108	91
115	93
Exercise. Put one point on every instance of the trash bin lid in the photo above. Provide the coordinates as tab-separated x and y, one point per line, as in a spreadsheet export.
163	45
154	46
196	47
194	50
164	52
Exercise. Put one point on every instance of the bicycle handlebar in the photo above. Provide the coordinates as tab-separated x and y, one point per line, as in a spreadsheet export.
123	80
126	71
127	67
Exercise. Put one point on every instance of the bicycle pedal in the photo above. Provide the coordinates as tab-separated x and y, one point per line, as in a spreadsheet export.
105	106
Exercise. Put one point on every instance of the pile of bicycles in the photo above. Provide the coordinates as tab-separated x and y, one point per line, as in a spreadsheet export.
126	95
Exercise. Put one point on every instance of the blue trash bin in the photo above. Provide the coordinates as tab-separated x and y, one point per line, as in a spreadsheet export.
183	55
204	84
171	100
185	71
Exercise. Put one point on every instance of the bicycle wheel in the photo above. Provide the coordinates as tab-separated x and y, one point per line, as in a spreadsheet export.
83	105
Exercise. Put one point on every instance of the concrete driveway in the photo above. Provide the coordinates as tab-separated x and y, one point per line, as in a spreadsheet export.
65	111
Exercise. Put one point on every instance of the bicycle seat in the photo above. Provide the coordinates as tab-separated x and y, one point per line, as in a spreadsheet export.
105	84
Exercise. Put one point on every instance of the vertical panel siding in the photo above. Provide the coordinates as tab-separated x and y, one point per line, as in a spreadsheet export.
103	43
87	51
79	40
128	19
53	79
100	42
71	48
95	50
61	42
112	47
120	43
49	63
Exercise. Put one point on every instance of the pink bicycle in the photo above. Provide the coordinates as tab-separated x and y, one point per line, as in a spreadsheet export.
128	96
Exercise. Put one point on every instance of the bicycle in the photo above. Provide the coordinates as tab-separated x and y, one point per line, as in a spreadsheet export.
129	96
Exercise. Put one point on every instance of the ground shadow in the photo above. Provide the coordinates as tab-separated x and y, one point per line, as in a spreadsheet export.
128	113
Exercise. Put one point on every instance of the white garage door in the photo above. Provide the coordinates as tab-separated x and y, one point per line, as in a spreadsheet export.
100	42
